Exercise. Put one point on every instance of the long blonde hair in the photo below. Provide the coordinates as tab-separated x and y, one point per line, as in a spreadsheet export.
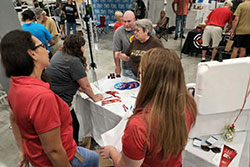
164	91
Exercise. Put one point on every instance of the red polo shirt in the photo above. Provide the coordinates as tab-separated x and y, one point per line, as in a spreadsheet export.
219	17
37	110
134	138
179	6
117	25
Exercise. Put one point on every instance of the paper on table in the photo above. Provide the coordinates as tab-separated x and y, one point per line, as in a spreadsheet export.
113	137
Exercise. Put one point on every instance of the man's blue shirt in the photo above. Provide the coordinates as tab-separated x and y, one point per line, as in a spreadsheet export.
39	31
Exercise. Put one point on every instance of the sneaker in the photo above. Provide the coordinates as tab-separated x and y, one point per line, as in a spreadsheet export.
182	36
175	38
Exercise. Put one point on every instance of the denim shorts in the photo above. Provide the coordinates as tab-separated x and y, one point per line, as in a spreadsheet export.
91	158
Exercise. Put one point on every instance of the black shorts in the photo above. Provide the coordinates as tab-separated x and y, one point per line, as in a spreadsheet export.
62	22
242	41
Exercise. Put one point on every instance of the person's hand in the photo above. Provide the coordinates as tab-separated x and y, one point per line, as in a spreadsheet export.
97	97
105	151
118	70
117	55
80	89
232	34
23	162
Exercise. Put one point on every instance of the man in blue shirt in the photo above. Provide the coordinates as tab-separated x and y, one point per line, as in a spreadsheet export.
38	30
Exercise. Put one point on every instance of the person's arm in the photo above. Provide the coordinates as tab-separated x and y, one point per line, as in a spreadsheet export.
86	88
230	20
120	160
229	26
48	36
117	46
52	41
117	64
52	146
54	32
122	56
23	162
75	11
61	13
234	25
163	22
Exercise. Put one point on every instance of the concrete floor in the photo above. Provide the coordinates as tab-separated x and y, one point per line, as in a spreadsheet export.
103	57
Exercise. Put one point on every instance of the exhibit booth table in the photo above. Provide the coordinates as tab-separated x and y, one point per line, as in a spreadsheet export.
220	91
95	118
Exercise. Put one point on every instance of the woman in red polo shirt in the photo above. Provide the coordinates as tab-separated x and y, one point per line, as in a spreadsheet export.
40	119
157	132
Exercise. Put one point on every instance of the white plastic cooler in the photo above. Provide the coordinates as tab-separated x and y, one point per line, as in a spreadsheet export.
219	93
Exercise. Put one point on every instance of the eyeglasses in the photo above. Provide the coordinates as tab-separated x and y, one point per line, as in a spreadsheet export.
207	148
40	45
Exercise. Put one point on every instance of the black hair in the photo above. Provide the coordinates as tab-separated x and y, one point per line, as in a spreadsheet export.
14	53
58	4
28	15
72	46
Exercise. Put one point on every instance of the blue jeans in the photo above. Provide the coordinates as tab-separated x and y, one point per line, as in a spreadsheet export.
129	73
91	158
69	26
178	24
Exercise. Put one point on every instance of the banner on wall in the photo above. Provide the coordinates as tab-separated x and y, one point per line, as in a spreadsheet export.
107	8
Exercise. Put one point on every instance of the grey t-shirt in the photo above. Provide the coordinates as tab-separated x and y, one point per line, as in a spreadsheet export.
121	42
63	73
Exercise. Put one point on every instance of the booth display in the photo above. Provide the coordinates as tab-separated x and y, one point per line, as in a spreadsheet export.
193	44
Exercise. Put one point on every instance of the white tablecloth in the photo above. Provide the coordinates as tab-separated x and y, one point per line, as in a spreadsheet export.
96	119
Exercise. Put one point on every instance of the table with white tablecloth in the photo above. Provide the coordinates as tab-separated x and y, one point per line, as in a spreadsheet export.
96	119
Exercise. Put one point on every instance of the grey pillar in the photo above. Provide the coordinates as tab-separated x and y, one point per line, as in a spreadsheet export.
8	21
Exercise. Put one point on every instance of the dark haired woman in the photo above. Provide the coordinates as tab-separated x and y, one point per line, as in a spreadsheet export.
157	132
60	18
40	119
66	74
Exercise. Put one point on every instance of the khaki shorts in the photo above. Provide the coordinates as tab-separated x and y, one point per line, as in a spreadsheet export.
213	33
